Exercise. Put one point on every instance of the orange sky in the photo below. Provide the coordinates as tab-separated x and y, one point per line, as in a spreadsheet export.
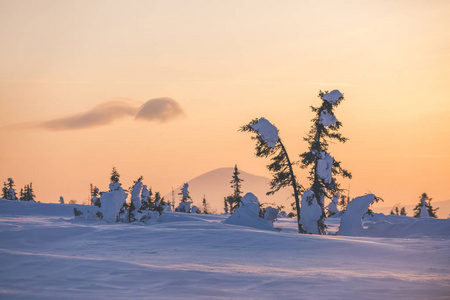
224	62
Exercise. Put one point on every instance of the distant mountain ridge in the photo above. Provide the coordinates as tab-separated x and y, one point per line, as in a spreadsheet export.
215	185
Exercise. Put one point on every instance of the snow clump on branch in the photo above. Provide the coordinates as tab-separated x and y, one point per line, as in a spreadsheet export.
332	97
268	132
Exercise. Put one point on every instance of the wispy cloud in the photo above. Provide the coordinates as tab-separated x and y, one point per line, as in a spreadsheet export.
161	109
103	114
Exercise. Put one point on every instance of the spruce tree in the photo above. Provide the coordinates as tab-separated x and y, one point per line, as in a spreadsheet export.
268	144
11	195
95	199
425	201
185	193
235	199
115	176
205	206
323	167
5	191
403	211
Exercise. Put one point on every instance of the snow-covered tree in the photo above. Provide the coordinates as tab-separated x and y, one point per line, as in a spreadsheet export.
424	208
323	167
95	199
186	201
61	200
136	193
235	198
145	194
9	191
269	144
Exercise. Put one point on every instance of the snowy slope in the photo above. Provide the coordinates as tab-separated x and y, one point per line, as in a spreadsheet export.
46	254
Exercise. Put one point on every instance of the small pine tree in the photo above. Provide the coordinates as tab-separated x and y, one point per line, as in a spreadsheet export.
205	206
425	201
235	199
95	199
11	194
5	191
225	205
403	211
323	167
115	176
185	193
131	216
280	166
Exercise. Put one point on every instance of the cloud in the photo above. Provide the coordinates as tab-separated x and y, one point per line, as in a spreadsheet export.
160	109
103	114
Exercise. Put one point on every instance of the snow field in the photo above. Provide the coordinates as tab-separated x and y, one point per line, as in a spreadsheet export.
46	253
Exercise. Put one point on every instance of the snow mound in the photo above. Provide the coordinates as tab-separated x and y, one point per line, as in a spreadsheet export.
268	132
248	214
326	118
332	97
310	214
111	203
351	222
271	214
406	227
184	207
324	165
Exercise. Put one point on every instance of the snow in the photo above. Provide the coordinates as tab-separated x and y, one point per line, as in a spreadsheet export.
268	132
248	214
111	203
144	194
194	210
135	195
47	254
310	214
184	207
424	212
332	207
324	165
332	97
326	118
351	222
271	214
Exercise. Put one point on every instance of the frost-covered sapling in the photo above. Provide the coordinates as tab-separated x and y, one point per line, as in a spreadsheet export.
185	204
9	192
424	209
323	167
61	200
268	144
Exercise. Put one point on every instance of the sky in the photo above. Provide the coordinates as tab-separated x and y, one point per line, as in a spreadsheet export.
160	89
